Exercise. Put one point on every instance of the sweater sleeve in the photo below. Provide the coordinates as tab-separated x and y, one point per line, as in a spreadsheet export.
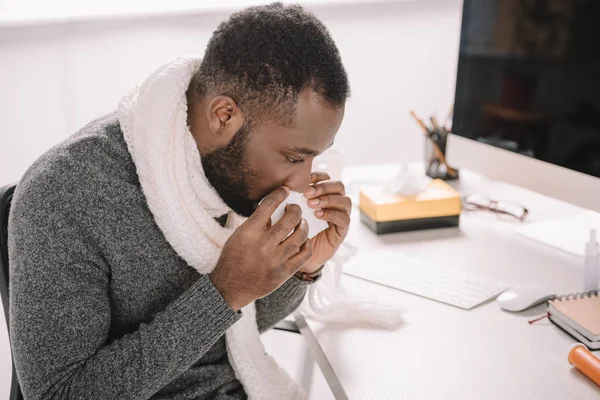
60	316
279	304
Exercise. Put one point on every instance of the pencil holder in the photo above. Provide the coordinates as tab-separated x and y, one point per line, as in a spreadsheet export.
434	167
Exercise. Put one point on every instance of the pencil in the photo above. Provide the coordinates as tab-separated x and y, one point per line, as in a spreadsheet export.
421	123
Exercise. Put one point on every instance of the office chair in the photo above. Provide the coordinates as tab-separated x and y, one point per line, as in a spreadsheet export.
6	193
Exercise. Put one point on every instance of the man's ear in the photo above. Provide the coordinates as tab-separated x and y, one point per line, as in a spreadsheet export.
224	119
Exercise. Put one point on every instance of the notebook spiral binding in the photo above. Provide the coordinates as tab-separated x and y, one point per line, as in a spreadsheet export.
575	296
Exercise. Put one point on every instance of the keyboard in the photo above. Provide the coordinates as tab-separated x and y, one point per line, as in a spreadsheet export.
425	279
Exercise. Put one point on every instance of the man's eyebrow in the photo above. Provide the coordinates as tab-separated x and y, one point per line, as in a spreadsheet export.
304	151
307	152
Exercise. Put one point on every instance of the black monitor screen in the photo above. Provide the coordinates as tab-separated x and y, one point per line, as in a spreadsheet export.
528	79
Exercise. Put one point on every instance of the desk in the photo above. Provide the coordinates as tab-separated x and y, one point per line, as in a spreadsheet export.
442	352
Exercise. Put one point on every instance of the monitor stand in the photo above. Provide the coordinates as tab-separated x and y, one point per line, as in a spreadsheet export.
568	234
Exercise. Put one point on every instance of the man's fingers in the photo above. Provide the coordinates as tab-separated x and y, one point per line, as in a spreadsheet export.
339	219
291	245
301	258
316	177
262	215
291	218
327	187
334	201
319	176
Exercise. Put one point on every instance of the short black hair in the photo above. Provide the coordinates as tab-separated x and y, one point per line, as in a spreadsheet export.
264	56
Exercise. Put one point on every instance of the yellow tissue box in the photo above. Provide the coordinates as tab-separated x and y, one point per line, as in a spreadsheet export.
438	206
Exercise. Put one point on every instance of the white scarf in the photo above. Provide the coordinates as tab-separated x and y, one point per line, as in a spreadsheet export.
153	119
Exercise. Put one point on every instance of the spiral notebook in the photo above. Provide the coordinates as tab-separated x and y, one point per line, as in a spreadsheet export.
579	315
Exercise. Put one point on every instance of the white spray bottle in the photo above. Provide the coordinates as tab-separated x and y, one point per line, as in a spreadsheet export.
592	264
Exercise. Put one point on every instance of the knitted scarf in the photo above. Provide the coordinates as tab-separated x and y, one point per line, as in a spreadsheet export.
153	119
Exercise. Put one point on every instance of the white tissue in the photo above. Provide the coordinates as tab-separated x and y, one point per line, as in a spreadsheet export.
408	182
315	225
329	301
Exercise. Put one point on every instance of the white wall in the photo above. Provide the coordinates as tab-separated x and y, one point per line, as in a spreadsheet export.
54	79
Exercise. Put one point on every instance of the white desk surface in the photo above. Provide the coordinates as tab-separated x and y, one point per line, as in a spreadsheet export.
443	352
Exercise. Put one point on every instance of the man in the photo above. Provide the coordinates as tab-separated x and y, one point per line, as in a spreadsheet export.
129	274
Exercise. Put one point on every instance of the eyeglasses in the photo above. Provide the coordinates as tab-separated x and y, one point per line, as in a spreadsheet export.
499	207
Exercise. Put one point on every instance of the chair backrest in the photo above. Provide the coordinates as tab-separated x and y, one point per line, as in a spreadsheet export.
6	194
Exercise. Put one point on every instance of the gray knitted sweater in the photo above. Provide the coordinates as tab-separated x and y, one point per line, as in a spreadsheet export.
101	306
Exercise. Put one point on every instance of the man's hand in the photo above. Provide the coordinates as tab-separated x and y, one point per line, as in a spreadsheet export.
258	258
333	206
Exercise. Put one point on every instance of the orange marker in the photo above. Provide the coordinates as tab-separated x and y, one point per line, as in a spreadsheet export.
581	358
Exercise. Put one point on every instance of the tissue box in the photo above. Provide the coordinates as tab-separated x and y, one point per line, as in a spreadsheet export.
439	206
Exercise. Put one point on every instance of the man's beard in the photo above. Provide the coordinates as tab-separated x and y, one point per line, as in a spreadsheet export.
228	171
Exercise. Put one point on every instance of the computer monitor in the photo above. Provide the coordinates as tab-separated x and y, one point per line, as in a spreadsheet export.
527	106
527	100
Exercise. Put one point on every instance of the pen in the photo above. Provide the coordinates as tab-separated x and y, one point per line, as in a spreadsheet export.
448	119
440	132
434	123
436	148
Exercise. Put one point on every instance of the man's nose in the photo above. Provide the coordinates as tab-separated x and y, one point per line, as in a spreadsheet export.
300	180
